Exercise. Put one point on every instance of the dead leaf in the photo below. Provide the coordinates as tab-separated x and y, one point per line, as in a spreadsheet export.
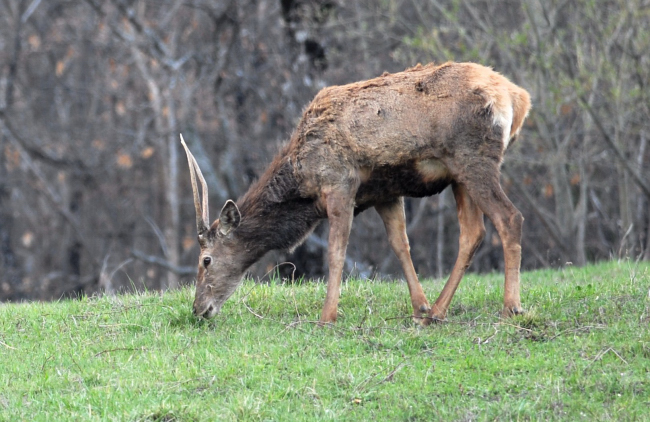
99	144
575	180
188	242
60	67
124	160
13	158
566	109
120	108
34	41
147	152
27	239
548	190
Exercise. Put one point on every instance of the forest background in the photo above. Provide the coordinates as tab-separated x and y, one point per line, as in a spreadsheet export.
95	192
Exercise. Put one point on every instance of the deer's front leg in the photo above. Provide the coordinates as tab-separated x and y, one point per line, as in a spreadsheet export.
340	210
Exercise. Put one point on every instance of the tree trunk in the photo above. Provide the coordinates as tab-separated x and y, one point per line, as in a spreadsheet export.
9	271
172	230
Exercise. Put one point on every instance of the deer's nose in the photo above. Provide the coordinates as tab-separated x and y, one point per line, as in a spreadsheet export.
206	313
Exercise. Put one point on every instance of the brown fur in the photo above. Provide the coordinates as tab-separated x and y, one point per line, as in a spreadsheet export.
368	144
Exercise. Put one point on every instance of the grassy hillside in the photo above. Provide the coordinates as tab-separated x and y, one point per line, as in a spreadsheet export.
581	353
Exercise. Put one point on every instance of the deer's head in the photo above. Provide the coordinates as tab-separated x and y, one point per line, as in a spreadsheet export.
221	266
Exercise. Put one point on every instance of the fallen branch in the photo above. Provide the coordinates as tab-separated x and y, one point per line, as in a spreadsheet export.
7	346
121	349
480	341
602	353
515	326
576	330
293	324
252	311
390	375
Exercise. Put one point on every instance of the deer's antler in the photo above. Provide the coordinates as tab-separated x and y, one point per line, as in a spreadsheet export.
202	213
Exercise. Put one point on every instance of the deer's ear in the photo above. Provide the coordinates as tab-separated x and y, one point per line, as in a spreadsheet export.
229	218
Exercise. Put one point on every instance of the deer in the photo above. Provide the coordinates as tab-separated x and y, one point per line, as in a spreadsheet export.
366	145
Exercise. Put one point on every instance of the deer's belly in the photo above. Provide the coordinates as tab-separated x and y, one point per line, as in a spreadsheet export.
414	179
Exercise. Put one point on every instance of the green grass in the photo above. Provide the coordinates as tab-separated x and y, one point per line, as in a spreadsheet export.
582	352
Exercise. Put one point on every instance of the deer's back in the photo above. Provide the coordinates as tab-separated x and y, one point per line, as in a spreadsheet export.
402	134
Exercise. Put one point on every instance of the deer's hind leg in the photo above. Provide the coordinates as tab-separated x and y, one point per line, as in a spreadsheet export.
487	193
472	232
392	214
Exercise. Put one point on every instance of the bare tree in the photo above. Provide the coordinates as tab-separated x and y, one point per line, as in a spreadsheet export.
93	95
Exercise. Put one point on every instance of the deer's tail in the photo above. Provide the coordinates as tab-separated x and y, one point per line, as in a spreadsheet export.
520	107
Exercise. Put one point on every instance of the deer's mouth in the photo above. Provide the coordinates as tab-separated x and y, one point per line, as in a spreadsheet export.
207	310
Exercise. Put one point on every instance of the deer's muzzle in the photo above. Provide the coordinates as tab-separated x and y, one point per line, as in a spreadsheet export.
206	309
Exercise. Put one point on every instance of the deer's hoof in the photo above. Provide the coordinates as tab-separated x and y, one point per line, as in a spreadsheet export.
327	321
510	311
420	315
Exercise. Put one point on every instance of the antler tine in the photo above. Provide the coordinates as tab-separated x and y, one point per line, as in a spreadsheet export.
204	194
202	212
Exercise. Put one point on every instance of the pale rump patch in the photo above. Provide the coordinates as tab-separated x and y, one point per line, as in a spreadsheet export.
502	112
499	92
503	118
432	170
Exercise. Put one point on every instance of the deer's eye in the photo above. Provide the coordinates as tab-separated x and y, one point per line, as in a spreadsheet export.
207	261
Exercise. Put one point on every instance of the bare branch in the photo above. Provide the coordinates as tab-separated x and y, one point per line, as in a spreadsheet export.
31	9
54	198
537	209
163	263
625	162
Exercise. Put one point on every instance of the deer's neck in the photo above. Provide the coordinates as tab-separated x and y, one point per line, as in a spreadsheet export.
274	216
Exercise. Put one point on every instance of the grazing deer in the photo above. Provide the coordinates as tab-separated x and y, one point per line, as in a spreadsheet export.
369	144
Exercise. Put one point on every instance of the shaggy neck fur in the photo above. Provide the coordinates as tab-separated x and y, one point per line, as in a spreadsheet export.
273	215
